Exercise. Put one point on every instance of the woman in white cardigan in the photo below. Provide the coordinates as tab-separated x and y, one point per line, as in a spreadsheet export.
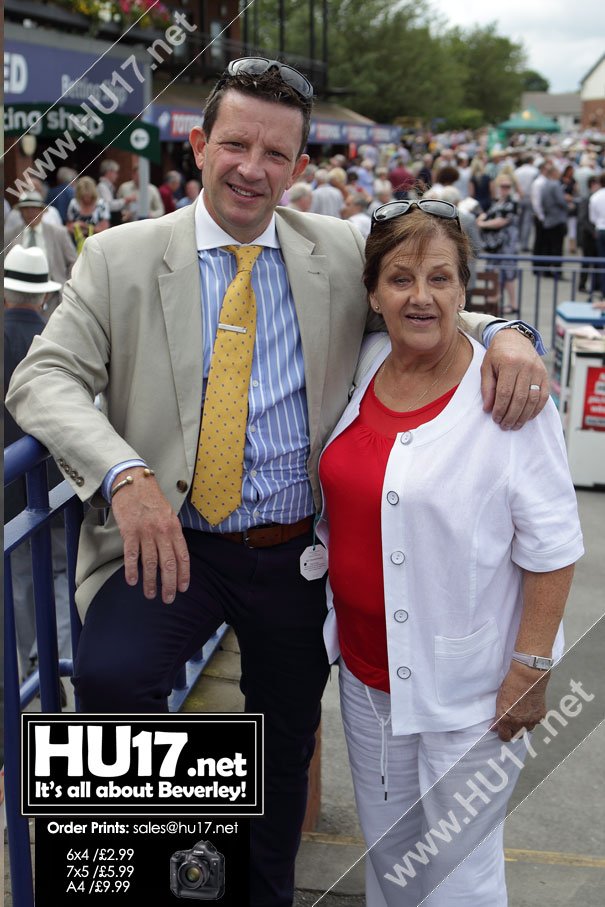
451	551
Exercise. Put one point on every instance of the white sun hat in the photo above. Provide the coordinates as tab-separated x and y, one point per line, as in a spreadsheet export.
26	270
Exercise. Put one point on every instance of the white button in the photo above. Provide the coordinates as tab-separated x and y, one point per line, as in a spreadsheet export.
255	383
253	473
256	513
253	428
392	497
406	437
397	557
403	673
401	616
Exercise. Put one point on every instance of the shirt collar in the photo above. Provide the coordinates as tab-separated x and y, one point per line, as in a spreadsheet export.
208	234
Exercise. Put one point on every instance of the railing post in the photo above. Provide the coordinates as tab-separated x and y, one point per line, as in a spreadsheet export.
18	827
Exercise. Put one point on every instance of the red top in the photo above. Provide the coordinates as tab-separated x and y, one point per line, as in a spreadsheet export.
352	474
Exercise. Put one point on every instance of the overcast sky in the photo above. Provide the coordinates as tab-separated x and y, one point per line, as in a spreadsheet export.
563	39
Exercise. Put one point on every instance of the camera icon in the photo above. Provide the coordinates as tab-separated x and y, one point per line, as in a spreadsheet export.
199	873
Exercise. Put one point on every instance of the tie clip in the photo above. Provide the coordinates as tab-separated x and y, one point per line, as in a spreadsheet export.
232	327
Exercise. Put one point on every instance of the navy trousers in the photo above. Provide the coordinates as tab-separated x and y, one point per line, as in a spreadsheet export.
131	649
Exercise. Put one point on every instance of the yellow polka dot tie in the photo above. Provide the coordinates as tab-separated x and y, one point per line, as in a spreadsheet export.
217	484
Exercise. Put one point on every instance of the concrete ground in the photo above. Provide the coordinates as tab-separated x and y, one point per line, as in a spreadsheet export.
555	838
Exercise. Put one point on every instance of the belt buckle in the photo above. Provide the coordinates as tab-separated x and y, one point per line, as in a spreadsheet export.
246	539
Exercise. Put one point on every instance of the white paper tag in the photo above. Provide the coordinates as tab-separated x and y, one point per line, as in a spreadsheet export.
313	562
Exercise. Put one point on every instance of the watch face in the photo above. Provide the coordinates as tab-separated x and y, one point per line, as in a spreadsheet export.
543	663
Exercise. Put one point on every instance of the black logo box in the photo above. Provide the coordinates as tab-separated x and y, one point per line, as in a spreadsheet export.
117	765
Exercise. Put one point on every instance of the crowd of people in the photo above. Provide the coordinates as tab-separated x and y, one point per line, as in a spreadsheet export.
520	200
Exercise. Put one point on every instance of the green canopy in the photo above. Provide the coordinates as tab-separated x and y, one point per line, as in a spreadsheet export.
529	120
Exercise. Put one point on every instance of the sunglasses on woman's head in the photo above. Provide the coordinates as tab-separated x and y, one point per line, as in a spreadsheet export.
433	206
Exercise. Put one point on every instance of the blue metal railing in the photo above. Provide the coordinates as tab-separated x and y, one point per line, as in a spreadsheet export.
27	457
548	291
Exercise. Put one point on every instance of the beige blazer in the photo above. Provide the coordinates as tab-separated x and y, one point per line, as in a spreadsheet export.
130	328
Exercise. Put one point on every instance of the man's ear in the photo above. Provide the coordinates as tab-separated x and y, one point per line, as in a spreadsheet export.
198	142
299	168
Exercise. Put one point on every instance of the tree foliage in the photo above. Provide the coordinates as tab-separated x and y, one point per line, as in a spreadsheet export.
398	59
534	81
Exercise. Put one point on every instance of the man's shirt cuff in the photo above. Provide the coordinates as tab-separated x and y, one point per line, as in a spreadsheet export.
492	329
113	472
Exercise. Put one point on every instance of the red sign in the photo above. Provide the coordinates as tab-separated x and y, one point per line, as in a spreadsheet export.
594	400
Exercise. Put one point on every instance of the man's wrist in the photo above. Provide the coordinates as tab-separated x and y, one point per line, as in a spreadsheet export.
114	472
494	327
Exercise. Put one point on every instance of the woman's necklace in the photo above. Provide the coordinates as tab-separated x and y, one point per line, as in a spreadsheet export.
414	405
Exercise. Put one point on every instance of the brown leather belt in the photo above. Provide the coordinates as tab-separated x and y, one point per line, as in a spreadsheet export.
269	535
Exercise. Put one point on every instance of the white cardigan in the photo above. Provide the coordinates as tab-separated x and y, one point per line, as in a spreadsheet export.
465	506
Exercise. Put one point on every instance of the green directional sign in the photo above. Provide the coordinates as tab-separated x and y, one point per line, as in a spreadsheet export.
72	125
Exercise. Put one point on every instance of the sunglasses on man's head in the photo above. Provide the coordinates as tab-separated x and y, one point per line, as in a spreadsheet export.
256	66
433	206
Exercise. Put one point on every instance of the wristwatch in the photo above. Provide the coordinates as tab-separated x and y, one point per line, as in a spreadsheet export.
539	662
527	332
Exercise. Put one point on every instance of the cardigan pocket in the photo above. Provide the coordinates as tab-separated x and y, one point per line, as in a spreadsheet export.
468	667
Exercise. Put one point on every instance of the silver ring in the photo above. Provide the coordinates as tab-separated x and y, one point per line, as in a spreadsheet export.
535	387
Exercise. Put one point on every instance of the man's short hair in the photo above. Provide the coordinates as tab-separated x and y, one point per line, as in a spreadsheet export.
268	86
107	166
20	297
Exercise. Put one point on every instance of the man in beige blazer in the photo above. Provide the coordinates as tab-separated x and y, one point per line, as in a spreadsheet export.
136	325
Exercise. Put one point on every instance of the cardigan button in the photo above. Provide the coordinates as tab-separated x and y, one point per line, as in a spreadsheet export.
401	616
392	497
403	672
397	557
181	485
406	437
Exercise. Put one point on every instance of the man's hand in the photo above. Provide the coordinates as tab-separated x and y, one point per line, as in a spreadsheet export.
152	535
511	366
521	701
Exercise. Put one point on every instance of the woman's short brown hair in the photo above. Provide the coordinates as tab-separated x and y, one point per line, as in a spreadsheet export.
416	229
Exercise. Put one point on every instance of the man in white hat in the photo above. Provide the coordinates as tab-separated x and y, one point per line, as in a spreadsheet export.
53	240
26	287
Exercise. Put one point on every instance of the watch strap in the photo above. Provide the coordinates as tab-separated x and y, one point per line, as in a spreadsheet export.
522	329
539	662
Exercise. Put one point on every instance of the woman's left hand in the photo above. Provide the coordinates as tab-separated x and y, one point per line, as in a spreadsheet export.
521	701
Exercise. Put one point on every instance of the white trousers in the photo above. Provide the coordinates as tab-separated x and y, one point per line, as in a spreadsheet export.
471	800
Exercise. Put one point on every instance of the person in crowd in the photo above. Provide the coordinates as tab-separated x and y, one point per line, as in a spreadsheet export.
445	613
383	193
571	196
52	239
61	195
130	190
480	182
327	199
106	187
301	196
499	234
587	239
535	194
585	170
356	211
556	209
468	222
26	286
192	190
339	180
446	175
192	537
87	213
169	189
365	176
462	164
401	179
424	176
596	214
525	174
14	222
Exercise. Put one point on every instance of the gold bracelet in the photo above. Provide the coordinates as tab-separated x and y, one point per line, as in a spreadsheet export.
128	481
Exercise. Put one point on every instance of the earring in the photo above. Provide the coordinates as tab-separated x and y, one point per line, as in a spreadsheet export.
377	308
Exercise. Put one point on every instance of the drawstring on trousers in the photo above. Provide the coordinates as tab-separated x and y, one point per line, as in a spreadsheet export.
384	749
